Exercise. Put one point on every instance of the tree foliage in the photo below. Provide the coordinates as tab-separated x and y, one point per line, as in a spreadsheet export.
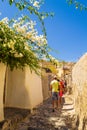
13	50
33	7
77	4
20	44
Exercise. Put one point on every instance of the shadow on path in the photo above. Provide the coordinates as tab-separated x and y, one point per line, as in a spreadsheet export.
44	119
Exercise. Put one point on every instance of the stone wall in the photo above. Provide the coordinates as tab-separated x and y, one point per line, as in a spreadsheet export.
79	81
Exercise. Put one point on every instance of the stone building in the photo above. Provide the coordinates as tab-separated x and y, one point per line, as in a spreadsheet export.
65	72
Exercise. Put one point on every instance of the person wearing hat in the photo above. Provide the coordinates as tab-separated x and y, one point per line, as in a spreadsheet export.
54	87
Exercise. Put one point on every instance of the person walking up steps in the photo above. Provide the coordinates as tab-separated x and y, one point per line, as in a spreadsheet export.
61	92
54	87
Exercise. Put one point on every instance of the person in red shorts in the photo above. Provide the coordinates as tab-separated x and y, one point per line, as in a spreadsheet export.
61	91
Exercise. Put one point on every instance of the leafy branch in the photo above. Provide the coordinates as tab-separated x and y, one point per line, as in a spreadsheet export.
77	4
33	9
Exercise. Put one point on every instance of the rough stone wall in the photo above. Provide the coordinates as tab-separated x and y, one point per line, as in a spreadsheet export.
79	81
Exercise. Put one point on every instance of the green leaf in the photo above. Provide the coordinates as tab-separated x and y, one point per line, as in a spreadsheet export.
11	1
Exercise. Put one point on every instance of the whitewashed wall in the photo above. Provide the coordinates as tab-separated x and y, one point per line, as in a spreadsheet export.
2	78
23	89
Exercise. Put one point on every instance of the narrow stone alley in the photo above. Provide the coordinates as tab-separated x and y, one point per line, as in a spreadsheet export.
44	119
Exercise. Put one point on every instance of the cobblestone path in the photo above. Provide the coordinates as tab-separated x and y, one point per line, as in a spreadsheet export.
44	119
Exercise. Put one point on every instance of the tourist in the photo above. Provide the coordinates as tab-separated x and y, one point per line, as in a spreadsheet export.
54	87
61	91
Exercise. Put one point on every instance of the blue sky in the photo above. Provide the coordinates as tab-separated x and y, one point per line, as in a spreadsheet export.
66	31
